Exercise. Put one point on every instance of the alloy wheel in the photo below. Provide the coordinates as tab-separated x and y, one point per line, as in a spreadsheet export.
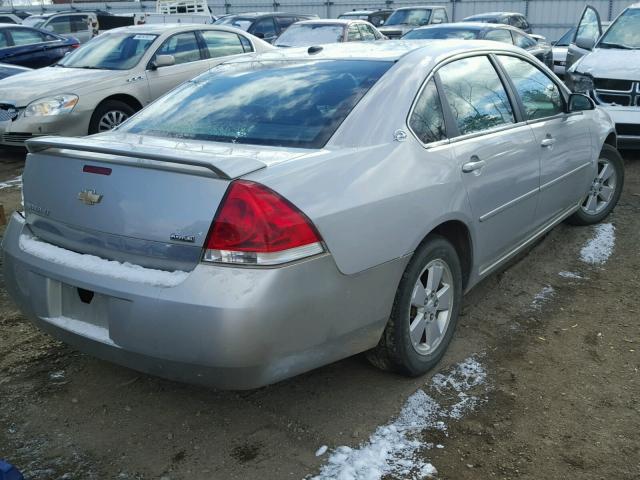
602	189
111	120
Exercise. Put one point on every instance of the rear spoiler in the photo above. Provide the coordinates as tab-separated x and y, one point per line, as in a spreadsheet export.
225	167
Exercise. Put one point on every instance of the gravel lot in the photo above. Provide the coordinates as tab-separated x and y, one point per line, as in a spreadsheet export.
560	399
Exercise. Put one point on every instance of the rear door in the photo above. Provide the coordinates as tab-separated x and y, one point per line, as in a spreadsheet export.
54	48
500	171
190	61
587	34
562	140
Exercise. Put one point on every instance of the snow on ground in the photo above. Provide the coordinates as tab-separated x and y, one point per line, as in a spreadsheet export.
14	182
542	297
99	266
394	449
573	275
598	250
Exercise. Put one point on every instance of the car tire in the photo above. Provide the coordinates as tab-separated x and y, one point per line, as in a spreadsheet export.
403	347
109	111
610	178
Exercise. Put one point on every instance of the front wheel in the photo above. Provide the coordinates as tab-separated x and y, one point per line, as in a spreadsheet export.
605	189
108	115
425	311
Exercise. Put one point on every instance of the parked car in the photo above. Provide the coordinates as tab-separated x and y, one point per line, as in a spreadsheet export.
32	47
10	18
114	75
267	26
486	31
79	25
7	70
290	210
374	17
317	32
514	19
405	19
560	52
605	67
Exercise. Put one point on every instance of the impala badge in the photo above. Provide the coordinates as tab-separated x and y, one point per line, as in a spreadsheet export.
89	197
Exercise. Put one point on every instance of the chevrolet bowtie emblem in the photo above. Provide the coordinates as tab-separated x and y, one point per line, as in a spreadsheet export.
89	197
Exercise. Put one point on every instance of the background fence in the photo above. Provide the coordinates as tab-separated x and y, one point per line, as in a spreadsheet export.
550	18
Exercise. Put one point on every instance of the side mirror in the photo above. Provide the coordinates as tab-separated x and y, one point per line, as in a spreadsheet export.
585	43
260	35
163	61
579	102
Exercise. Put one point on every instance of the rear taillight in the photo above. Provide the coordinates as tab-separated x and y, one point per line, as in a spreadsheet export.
74	46
256	226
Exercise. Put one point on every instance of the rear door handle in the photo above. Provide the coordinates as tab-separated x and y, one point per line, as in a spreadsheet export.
548	142
474	164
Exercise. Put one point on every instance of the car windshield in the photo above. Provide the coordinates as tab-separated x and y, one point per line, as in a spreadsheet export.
110	51
281	103
238	22
624	32
35	21
410	16
441	33
565	40
309	34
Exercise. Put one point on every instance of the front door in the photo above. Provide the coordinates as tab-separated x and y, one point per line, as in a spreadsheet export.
562	140
587	34
498	169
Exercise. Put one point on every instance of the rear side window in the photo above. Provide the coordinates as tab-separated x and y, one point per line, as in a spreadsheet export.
499	35
540	95
79	23
367	32
439	16
6	20
427	119
522	41
285	22
3	40
22	36
246	103
220	44
353	34
264	26
479	101
183	46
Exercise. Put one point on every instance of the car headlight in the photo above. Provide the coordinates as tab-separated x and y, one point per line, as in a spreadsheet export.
579	82
58	105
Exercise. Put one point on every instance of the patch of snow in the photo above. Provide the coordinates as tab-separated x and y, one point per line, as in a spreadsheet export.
542	296
57	376
393	449
99	266
321	451
14	182
570	275
598	250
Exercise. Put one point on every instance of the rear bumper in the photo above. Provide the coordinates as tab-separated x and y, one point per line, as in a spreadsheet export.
15	133
226	327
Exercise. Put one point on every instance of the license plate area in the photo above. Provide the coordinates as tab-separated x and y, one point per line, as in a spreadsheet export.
85	305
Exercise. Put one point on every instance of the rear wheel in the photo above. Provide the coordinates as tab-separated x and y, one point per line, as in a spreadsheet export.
108	115
605	189
425	311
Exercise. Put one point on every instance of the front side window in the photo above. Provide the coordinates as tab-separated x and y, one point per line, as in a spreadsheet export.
625	31
265	28
183	46
60	25
588	28
220	44
306	34
499	35
367	32
439	16
281	103
22	36
79	23
478	101
540	96
565	40
110	51
427	119
353	34
3	40
410	16
521	41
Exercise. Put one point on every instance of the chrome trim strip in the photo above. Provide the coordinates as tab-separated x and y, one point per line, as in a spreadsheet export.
563	176
544	229
507	205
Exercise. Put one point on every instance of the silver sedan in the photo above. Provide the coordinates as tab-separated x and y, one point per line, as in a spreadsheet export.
277	214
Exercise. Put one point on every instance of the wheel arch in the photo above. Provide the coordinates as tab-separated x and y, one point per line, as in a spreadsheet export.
130	100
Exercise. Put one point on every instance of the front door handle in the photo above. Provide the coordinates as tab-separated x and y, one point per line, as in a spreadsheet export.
473	165
548	142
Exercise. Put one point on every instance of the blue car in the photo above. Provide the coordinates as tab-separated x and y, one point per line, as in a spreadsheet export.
32	47
7	70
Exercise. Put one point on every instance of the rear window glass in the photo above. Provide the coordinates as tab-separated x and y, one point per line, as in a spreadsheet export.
295	104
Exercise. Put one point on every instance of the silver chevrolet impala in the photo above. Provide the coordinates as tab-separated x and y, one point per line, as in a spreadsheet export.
282	212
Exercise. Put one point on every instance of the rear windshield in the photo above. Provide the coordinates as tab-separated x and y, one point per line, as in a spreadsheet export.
441	33
293	104
483	19
410	16
303	35
34	21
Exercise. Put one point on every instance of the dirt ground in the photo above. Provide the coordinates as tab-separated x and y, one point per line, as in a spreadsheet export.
564	400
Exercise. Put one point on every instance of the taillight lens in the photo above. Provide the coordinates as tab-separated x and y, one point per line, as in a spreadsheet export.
254	225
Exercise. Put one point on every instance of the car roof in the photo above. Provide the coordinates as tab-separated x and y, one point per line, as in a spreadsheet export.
330	21
380	51
260	14
416	7
161	28
494	14
366	12
470	26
